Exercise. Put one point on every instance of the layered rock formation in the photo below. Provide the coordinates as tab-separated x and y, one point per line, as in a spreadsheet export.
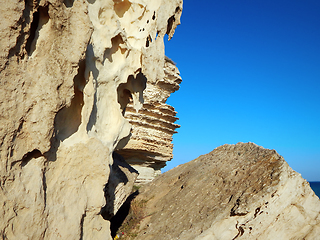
240	191
68	69
150	147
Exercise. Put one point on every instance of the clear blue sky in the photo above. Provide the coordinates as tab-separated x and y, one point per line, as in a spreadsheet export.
251	73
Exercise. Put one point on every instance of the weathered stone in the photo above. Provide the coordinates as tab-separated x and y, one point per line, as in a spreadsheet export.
150	147
67	69
240	191
119	187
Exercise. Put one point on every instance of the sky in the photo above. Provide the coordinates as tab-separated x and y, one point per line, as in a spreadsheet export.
251	73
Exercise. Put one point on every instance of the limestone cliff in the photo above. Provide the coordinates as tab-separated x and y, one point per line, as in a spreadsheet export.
150	147
67	71
240	191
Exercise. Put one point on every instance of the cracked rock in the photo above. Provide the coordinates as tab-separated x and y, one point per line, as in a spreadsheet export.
240	191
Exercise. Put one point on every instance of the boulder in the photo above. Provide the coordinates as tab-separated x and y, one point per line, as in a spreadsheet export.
240	191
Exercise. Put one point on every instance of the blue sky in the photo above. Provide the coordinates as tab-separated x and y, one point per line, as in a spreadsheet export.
251	73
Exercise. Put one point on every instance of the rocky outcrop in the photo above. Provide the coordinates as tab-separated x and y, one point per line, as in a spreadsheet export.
119	186
240	191
68	69
150	147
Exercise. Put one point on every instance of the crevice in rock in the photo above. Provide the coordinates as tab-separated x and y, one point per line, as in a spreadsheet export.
117	220
121	6
44	186
132	90
33	29
51	155
157	34
27	157
240	231
234	210
93	115
68	119
68	3
256	212
81	225
116	41
40	18
171	20
148	41
124	97
114	190
21	39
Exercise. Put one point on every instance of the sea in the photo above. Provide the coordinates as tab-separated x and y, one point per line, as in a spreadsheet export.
315	187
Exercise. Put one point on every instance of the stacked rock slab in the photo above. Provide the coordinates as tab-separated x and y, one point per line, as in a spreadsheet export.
67	70
240	191
150	147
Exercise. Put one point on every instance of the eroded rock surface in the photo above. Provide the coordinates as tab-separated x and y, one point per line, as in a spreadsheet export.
150	145
240	191
119	187
67	70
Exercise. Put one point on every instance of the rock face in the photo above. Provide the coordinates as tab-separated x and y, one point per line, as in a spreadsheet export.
121	179
67	70
150	147
240	191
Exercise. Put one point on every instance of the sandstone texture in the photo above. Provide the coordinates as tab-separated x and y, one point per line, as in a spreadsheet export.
240	191
67	71
150	147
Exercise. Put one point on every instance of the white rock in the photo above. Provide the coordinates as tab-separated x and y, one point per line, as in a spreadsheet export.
62	64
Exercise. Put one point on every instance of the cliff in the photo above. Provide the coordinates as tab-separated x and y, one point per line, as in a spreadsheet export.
68	69
240	191
150	147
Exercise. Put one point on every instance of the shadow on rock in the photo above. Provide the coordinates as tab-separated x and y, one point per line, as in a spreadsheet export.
119	187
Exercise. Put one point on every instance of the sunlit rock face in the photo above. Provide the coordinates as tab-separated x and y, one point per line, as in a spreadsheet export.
240	191
68	69
150	147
